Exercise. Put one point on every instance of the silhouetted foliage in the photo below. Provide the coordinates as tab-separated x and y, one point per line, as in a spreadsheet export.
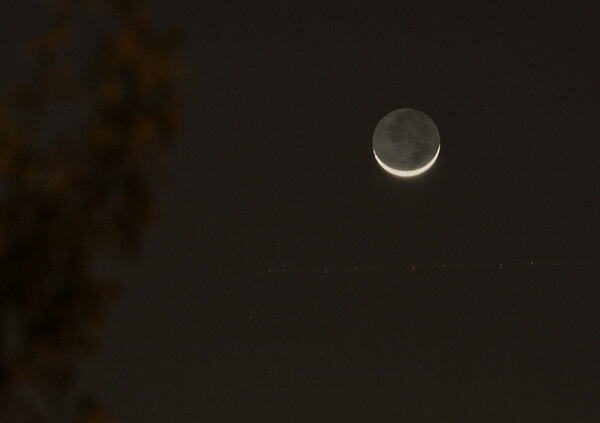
69	195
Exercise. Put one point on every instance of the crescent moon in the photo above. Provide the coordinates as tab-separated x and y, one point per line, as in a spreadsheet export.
406	173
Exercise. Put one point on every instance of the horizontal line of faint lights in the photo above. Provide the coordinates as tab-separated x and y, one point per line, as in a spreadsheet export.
416	267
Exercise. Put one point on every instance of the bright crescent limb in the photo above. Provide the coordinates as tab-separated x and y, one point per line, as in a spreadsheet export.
407	172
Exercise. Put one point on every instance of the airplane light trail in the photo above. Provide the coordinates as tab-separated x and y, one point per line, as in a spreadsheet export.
415	267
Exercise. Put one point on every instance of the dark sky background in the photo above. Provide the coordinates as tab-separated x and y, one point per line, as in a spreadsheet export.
278	159
274	168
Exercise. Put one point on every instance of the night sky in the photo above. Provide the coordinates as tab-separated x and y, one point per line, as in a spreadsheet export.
274	169
279	168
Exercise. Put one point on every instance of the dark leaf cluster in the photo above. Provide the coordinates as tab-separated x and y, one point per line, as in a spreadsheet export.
73	194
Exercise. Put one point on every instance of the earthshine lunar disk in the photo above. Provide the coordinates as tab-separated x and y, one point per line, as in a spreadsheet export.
406	142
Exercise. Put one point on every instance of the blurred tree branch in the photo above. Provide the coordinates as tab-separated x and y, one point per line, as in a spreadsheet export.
66	200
